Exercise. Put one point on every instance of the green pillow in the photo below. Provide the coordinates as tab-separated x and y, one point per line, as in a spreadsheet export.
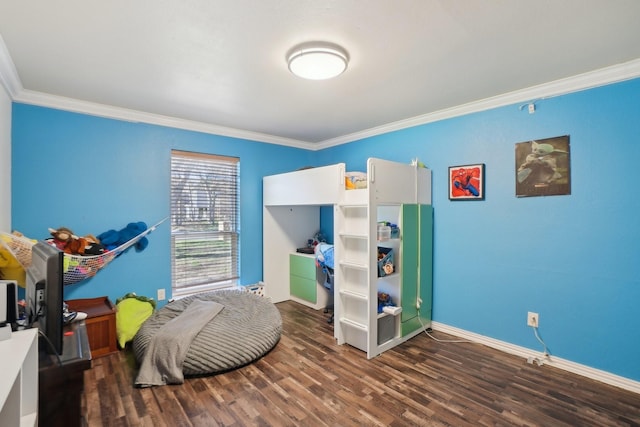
132	313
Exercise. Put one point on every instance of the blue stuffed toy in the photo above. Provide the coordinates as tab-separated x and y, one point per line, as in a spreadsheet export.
383	301
112	239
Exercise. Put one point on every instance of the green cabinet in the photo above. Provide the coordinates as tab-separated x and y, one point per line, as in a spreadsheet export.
302	277
417	270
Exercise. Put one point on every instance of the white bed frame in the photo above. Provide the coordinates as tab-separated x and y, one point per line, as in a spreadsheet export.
291	213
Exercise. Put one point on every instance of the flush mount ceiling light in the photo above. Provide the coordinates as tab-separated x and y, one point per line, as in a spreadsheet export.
317	60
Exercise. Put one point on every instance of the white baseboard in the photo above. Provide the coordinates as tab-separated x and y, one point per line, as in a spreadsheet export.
527	353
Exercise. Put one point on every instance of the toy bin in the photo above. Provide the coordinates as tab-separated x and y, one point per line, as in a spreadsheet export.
385	261
386	328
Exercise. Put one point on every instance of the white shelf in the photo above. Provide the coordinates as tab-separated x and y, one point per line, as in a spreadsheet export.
19	383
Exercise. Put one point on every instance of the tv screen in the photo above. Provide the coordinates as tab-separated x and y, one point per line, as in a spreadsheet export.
44	294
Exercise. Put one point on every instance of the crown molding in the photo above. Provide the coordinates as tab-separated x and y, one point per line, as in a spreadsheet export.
537	357
10	80
74	105
8	74
613	74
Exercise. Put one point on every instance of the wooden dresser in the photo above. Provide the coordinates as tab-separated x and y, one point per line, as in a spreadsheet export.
100	322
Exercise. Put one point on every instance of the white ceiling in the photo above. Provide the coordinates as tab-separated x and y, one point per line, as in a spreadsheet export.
221	64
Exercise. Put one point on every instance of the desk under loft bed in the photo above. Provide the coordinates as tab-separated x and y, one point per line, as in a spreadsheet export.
394	192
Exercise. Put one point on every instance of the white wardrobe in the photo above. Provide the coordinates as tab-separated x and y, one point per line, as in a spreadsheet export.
395	192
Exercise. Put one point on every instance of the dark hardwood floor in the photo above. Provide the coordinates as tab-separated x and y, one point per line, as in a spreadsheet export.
307	380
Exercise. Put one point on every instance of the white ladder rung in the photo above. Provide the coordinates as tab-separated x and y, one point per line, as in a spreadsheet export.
353	265
352	294
354	235
354	324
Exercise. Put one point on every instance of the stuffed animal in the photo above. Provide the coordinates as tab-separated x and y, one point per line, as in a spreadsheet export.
93	245
112	239
66	241
62	236
10	268
384	300
82	246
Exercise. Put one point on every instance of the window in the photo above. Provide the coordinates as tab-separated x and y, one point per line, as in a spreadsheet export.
205	230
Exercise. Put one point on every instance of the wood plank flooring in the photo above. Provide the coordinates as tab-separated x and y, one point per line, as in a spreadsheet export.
307	380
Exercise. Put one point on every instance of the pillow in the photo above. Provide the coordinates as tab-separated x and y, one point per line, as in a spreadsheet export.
132	313
355	180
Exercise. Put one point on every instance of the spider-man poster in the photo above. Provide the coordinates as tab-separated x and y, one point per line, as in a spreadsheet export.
466	182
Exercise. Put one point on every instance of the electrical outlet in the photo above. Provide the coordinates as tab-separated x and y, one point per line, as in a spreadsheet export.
533	319
161	295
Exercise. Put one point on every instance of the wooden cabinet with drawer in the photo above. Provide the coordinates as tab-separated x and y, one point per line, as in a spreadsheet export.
101	324
306	282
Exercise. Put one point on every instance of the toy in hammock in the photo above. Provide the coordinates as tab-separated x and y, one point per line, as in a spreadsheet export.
76	267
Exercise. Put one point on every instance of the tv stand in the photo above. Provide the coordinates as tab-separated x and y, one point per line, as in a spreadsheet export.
62	379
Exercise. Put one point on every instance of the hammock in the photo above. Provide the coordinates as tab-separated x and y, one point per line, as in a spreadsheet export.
76	267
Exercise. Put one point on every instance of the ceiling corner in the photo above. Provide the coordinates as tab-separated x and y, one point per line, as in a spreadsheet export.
8	73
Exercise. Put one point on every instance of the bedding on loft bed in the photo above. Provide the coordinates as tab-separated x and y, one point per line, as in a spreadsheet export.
355	180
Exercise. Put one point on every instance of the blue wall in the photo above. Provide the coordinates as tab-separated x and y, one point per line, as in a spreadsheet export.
572	259
93	174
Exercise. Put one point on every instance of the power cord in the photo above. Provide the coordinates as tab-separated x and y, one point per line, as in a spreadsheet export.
546	355
536	360
546	351
428	331
50	344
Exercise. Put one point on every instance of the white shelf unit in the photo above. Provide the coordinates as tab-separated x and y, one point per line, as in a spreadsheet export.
19	383
390	187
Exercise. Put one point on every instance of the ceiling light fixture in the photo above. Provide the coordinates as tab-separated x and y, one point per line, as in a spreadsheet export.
317	60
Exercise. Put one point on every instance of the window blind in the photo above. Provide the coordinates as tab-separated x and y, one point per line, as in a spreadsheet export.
205	231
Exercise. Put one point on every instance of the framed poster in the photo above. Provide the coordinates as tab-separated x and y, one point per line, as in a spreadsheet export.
466	182
543	168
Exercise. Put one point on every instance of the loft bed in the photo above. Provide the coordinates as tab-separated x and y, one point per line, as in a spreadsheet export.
292	201
291	212
76	267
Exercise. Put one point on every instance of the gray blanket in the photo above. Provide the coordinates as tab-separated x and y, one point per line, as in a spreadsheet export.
162	361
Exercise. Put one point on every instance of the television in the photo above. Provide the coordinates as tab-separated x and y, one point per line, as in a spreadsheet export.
44	294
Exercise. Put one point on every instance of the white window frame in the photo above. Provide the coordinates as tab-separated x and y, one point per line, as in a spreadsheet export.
205	222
